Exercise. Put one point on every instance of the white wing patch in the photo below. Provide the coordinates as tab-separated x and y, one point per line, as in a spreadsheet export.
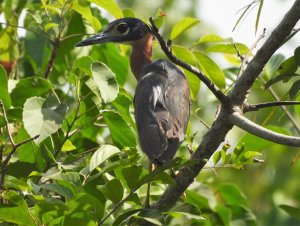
156	93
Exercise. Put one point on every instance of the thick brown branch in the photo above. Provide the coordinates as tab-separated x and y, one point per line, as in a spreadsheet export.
256	107
167	50
245	81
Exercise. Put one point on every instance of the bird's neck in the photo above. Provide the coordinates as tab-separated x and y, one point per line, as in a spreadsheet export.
141	54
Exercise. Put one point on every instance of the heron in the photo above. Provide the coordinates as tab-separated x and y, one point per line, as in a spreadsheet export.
162	95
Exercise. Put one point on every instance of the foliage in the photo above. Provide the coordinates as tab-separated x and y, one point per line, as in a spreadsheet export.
76	159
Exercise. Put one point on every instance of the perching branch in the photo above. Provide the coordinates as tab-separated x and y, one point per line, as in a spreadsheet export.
13	149
230	107
257	130
167	50
256	107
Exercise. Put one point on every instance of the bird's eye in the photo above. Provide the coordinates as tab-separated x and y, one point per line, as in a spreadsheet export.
122	28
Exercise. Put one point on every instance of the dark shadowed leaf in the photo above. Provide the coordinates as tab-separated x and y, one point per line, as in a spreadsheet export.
29	87
297	55
292	211
294	91
113	190
125	215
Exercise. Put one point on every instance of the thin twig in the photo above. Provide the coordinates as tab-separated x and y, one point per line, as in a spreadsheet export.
29	29
245	58
13	149
256	107
167	50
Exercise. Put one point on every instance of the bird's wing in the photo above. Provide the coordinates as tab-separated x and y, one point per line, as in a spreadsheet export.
161	109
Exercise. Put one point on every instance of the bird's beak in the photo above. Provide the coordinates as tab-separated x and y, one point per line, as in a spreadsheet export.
97	39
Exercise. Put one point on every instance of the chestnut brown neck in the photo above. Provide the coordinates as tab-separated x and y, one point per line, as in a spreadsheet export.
141	54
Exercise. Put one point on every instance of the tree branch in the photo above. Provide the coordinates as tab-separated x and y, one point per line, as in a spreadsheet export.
245	81
256	107
222	125
167	50
257	130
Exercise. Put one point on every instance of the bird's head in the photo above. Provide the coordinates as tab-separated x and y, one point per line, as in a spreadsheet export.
124	31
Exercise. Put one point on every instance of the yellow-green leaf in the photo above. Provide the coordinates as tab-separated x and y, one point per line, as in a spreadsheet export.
182	26
68	146
110	6
211	69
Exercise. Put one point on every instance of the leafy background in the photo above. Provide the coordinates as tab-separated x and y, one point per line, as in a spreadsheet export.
86	164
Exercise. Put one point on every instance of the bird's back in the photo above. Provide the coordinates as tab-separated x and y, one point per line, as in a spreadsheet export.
162	106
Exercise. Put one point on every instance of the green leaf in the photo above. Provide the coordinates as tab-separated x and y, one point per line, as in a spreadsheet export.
184	54
251	154
294	91
224	213
84	63
232	194
85	11
106	82
194	83
102	154
68	146
278	78
211	69
110	6
128	12
289	66
4	95
216	157
130	176
125	215
197	199
16	211
29	87
292	211
59	189
273	64
228	48
113	190
48	26
182	26
121	133
42	117
122	103
261	2
210	38
297	55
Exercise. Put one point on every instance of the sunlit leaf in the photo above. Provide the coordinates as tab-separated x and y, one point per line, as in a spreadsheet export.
211	69
42	117
110	6
273	65
4	95
85	11
228	48
261	2
106	82
68	146
102	154
210	38
182	26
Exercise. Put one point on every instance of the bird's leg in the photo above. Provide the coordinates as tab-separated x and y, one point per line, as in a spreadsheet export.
150	169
